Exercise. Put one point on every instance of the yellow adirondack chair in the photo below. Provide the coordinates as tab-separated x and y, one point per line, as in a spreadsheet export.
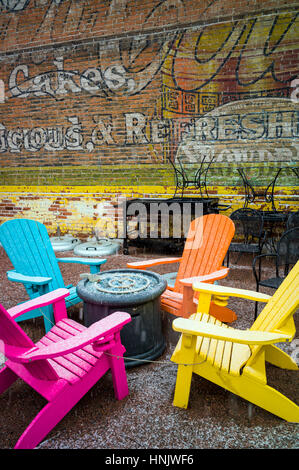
235	359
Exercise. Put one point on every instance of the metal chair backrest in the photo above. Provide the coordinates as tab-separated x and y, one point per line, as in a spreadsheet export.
293	220
249	224
287	251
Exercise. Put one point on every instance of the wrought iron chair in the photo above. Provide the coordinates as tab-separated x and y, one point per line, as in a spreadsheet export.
293	220
187	174
216	174
285	258
252	192
259	182
249	225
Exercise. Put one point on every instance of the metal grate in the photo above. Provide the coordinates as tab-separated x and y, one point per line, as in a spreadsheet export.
122	283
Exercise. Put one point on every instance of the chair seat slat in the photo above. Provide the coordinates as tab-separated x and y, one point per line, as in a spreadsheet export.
59	334
224	355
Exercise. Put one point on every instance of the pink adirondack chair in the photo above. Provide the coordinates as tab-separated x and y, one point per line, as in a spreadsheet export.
64	364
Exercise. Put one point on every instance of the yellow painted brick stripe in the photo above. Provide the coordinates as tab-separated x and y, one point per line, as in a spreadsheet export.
145	189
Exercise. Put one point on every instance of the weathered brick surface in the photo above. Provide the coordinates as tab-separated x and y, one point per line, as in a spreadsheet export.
104	93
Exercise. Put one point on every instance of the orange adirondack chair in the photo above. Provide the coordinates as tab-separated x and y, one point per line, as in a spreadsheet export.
206	245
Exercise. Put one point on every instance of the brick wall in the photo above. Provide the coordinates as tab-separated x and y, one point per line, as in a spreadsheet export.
98	96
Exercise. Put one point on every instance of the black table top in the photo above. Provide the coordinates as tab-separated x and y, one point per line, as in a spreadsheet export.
208	200
275	215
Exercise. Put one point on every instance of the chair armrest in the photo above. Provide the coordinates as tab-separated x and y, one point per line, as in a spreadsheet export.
206	277
153	262
41	301
100	330
230	291
87	261
208	330
18	277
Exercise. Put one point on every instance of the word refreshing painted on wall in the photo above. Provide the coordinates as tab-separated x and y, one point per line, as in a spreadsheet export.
263	125
162	89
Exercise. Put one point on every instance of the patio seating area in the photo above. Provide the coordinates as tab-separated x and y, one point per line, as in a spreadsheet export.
146	418
149	227
153	392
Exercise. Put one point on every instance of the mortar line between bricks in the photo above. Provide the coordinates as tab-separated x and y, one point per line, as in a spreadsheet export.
176	29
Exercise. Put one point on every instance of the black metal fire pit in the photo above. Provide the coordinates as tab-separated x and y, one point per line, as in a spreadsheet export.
133	291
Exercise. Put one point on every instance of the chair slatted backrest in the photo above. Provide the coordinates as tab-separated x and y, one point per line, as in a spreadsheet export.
11	334
29	249
206	245
282	305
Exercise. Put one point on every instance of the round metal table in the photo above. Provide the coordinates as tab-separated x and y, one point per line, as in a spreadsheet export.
104	247
133	291
64	243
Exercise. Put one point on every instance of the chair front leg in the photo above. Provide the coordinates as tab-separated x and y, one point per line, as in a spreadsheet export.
185	370
118	371
7	378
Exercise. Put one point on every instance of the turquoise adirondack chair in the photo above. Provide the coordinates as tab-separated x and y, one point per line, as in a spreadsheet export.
64	364
30	251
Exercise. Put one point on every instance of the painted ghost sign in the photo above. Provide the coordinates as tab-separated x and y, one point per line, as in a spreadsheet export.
139	98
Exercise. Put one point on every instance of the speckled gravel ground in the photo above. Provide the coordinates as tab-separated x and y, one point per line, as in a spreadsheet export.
146	418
